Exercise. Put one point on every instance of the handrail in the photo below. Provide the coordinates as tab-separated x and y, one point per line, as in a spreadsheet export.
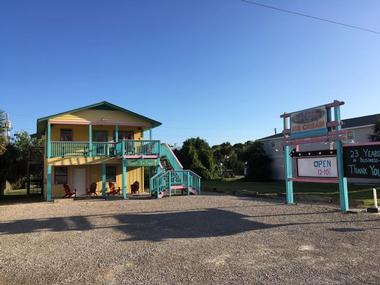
165	181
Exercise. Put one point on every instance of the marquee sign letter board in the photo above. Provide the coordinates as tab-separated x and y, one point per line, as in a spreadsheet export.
362	161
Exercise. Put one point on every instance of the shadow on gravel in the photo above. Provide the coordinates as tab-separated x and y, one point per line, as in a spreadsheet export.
347	230
151	226
192	224
159	226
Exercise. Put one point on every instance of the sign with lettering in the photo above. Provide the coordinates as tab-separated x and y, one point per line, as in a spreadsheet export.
362	161
308	121
321	166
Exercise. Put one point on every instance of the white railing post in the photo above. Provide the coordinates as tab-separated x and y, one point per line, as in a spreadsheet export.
375	197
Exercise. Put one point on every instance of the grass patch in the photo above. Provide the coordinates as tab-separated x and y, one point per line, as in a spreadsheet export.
358	194
15	192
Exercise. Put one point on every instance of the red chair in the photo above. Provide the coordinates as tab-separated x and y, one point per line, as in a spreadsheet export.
92	189
68	192
113	190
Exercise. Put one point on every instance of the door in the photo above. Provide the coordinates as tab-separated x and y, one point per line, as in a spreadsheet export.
79	181
98	138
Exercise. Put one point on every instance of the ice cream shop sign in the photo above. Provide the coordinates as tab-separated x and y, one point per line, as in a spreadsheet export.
309	121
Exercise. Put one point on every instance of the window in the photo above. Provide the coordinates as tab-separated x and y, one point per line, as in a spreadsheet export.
66	135
60	175
111	173
124	135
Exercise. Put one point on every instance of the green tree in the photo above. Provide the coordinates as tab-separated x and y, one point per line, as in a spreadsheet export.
259	163
197	155
13	163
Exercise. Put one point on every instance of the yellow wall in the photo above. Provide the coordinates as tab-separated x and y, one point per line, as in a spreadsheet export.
94	174
105	116
80	132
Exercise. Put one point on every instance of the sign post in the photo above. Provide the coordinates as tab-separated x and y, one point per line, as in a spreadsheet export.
314	125
288	170
343	189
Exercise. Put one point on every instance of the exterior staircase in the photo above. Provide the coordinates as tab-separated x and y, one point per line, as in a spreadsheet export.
172	178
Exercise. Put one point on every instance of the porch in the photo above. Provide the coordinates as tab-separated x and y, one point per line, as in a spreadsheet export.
108	179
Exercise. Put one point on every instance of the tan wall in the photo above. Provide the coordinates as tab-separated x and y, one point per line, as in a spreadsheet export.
94	174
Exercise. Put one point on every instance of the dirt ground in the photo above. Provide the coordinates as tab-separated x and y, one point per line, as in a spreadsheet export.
208	239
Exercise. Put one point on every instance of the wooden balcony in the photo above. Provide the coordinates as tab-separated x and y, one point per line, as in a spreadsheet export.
130	149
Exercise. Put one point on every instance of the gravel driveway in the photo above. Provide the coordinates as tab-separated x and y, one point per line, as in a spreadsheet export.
208	239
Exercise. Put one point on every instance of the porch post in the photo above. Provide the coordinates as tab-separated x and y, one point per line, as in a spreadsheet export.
48	192
343	189
104	173
142	179
116	133
124	178
188	183
150	134
48	140
90	140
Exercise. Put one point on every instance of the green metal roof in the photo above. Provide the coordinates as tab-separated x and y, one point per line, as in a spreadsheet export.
104	105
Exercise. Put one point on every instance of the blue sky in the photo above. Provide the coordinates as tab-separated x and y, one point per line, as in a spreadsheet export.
219	69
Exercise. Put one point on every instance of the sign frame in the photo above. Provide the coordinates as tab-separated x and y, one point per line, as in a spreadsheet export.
332	132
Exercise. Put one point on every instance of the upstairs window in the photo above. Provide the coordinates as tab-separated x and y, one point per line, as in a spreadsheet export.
66	135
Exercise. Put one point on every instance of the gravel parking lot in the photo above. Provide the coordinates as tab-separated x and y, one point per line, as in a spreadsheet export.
208	239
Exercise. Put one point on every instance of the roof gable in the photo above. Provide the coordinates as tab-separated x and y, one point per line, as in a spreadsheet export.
104	105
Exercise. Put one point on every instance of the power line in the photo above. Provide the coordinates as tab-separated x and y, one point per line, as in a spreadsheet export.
311	17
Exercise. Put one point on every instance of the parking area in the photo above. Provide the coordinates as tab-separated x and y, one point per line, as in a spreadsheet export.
207	239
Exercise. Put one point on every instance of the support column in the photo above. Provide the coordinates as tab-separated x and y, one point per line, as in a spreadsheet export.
90	140
343	188
48	192
150	134
104	175
48	133
124	178
116	133
143	179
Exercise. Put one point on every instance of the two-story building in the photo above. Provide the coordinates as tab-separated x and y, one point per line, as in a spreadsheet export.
101	143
